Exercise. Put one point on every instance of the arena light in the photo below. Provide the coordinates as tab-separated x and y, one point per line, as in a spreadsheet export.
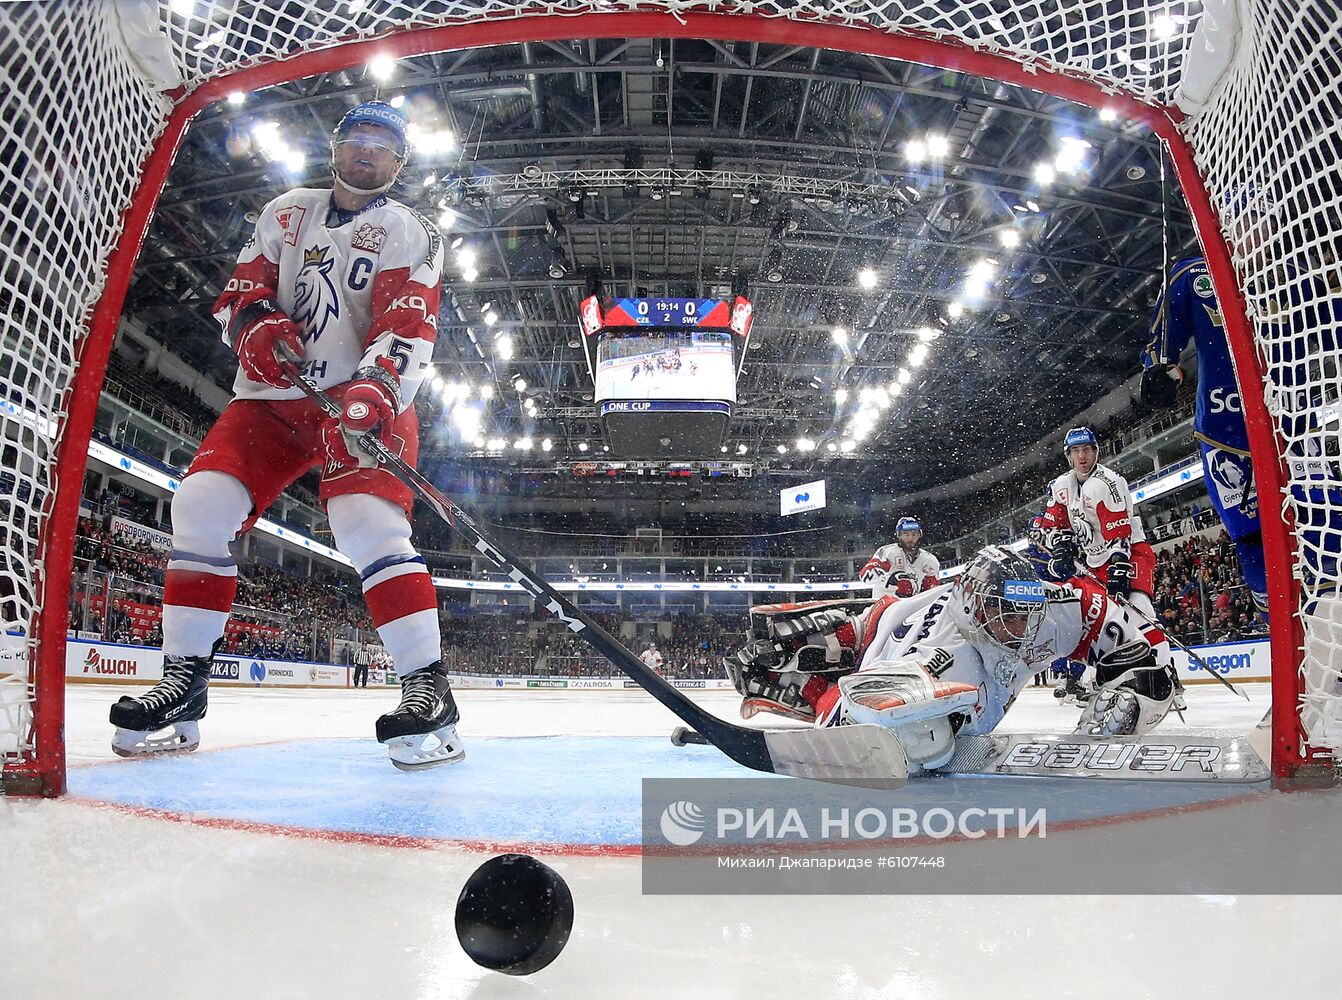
1045	173
839	335
915	151
582	445
938	146
382	67
1009	238
295	162
503	347
398	101
522	444
903	376
847	445
465	257
519	383
918	355
1108	115
927	334
955	310
237	98
469	274
782	449
896	387
1032	205
805	444
741	449
491	318
487	390
866	279
1071	156
447	218
479	442
840	396
497	444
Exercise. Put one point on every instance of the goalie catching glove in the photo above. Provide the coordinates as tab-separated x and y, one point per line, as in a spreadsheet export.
369	402
262	334
1133	693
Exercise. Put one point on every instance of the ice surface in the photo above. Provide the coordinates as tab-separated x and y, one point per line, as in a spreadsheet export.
111	902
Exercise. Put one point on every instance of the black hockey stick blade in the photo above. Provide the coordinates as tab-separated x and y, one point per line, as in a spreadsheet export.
844	755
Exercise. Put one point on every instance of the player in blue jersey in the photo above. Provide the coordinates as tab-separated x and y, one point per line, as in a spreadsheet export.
1297	324
1187	309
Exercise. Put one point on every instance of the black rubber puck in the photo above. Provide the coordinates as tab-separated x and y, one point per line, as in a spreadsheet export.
514	915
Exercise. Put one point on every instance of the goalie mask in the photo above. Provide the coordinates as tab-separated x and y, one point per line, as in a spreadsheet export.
999	599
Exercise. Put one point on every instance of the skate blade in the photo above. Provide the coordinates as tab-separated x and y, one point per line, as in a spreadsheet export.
409	753
184	738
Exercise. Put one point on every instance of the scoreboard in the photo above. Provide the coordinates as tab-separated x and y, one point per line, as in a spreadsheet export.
665	371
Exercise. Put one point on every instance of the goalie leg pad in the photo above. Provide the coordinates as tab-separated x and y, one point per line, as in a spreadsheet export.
924	712
1135	693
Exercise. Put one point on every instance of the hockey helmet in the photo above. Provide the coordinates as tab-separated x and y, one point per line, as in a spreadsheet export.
1000	599
908	524
378	113
1078	436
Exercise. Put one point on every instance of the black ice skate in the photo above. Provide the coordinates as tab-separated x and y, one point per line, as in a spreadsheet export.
177	703
427	709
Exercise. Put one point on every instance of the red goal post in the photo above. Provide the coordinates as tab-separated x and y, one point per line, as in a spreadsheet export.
98	96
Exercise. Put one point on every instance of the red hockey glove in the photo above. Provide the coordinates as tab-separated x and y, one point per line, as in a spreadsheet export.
261	328
369	402
929	582
904	586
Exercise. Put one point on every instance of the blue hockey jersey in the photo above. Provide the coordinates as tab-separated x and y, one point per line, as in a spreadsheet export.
1188	308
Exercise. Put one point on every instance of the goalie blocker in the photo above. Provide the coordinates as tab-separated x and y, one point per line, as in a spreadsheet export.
949	663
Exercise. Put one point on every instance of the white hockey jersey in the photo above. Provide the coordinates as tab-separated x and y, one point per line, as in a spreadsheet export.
1099	512
360	289
891	564
1080	623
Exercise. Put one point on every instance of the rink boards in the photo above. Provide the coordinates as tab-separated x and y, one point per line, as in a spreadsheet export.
92	660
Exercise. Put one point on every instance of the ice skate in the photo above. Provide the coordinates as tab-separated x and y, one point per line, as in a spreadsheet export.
421	732
176	704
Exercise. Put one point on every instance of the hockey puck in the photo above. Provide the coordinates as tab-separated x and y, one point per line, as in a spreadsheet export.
681	736
514	915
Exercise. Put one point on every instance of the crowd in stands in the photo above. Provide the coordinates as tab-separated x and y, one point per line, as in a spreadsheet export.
285	614
1199	580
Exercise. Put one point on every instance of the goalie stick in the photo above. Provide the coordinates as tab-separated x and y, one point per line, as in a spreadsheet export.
1224	760
867	756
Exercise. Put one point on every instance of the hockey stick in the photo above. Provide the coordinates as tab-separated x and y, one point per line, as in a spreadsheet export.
1127	605
868	756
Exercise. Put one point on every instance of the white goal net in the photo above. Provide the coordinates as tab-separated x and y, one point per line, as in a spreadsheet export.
95	95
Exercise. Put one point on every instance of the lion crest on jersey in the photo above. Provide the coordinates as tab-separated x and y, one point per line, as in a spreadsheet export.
315	299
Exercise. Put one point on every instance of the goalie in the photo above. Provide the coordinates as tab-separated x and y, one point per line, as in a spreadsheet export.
952	660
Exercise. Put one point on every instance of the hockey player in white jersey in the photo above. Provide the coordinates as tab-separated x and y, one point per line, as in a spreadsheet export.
902	569
346	282
1090	519
950	661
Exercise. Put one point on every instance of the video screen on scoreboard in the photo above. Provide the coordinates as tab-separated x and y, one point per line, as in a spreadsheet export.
666	364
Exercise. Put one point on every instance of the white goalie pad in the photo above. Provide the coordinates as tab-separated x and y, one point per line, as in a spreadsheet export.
903	696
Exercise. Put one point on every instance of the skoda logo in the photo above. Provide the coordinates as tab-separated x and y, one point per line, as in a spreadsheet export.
258	671
682	823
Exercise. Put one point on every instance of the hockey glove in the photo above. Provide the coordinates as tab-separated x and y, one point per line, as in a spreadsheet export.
369	402
1160	385
1121	573
903	585
262	328
1063	555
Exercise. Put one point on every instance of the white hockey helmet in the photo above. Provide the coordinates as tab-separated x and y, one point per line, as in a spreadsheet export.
999	599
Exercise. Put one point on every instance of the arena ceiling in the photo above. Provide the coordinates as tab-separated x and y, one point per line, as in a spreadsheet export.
891	201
